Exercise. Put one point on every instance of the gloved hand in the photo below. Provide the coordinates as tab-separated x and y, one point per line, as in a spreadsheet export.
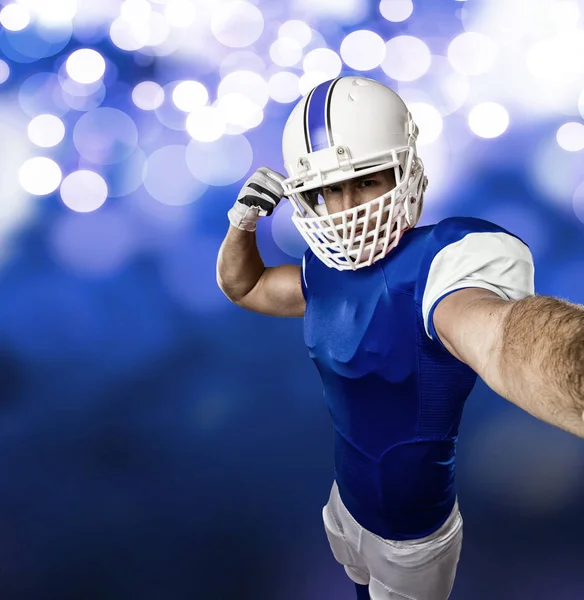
259	196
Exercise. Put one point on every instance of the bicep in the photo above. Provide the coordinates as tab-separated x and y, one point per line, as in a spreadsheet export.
469	323
278	293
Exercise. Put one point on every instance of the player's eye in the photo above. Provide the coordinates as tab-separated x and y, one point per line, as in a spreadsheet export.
367	183
332	190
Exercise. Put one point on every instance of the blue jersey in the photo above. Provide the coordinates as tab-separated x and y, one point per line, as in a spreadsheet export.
394	392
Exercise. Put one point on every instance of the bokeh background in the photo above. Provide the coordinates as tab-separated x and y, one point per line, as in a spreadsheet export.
159	443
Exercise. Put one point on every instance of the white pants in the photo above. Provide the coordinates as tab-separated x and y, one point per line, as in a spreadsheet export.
421	569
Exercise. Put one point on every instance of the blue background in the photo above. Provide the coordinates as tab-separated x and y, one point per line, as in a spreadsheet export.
157	442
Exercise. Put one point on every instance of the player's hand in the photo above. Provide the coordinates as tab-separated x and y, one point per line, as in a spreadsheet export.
259	196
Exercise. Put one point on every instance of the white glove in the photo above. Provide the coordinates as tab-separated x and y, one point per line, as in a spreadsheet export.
259	196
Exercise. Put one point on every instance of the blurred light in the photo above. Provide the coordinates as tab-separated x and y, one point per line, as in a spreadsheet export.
35	42
206	124
190	95
237	23
284	87
14	17
581	104
346	12
323	61
84	191
40	94
578	202
105	136
555	172
298	31
309	81
472	53
46	131
40	176
284	232
78	98
86	65
570	137
222	162
239	113
248	83
363	50
97	243
135	10
52	13
407	58
180	13
285	52
158	29
4	72
559	59
242	60
129	36
564	15
168	179
148	95
428	120
488	120
396	10
125	177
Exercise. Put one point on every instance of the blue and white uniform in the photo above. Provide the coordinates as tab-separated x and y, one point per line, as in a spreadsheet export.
394	392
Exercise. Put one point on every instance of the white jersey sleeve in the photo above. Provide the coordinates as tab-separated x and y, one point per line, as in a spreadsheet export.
494	261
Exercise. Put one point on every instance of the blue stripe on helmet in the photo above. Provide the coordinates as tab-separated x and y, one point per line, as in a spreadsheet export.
316	119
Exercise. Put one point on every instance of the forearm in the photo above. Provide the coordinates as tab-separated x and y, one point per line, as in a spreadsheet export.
239	264
538	361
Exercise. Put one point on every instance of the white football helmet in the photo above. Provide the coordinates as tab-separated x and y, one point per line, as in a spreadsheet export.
346	128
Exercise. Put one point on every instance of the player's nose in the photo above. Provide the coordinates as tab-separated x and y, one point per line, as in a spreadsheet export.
350	197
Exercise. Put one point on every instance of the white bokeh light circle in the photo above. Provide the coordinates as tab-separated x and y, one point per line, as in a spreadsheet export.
581	104
570	137
248	83
429	122
407	58
237	23
85	66
558	59
84	191
46	131
168	178
135	10
206	124
296	30
323	61
148	95
284	87
396	11
14	17
363	50
190	95
239	113
129	36
222	162
180	13
472	53
40	176
4	71
285	52
488	120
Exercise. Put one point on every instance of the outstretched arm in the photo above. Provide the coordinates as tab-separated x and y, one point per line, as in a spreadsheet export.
529	351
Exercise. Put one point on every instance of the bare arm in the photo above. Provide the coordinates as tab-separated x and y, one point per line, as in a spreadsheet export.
529	351
246	281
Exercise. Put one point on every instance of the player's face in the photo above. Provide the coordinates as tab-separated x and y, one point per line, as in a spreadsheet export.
358	191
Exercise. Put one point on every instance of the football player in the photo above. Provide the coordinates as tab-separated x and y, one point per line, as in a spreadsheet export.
399	321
